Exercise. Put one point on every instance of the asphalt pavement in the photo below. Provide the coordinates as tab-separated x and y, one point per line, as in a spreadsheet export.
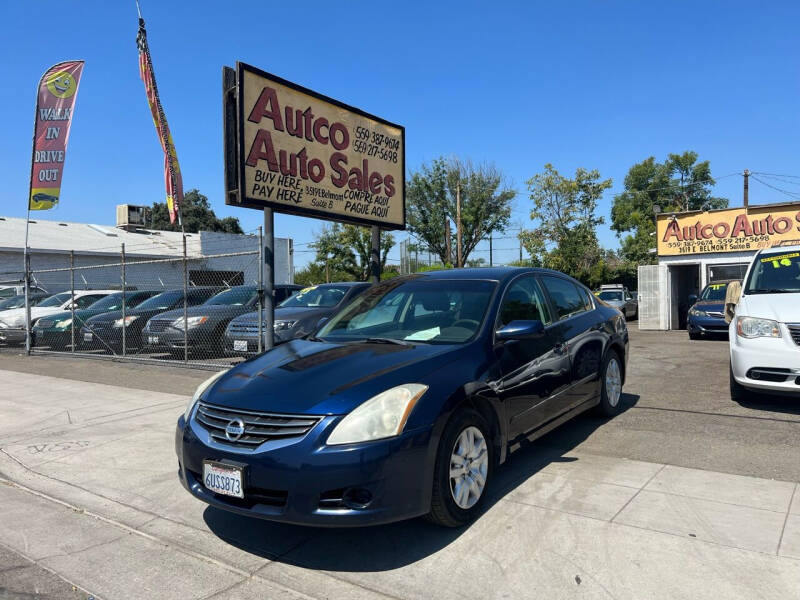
686	494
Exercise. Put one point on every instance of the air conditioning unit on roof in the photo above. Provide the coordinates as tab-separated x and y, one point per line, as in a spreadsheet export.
131	217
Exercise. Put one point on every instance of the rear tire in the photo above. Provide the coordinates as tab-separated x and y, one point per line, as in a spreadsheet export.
465	458
738	391
610	385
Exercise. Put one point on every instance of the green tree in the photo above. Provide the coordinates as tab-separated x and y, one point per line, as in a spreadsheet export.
680	183
197	215
347	248
564	237
314	273
431	198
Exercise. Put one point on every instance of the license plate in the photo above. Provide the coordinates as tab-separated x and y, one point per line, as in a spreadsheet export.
223	479
152	339
87	337
240	345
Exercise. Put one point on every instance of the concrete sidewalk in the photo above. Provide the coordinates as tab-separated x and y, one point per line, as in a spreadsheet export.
91	493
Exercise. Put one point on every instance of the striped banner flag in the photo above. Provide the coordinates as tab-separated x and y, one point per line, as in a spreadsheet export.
172	172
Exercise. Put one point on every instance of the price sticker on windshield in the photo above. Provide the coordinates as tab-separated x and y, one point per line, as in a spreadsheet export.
784	260
717	286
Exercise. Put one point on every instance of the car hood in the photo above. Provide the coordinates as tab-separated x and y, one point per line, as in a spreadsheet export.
80	314
321	378
36	312
709	305
286	314
117	314
779	307
209	310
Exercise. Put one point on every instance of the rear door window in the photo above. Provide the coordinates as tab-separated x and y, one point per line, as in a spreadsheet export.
564	294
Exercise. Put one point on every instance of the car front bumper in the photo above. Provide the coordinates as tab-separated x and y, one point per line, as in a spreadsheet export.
278	337
12	336
300	482
766	364
199	338
712	325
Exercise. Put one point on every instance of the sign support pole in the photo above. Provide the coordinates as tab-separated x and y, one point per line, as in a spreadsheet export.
269	279
375	255
260	290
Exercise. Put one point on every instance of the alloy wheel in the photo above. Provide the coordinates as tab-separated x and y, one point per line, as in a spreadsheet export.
469	465
613	382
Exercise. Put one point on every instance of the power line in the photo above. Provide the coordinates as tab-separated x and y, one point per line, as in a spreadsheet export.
792	195
776	175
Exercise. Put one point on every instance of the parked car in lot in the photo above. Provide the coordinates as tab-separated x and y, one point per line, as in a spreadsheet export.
765	331
104	332
377	419
55	331
19	301
295	317
205	324
707	313
12	322
620	298
7	291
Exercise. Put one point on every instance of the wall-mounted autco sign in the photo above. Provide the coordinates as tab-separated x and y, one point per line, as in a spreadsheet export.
729	230
302	153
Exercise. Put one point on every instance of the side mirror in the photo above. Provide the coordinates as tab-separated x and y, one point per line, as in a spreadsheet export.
520	330
322	322
692	299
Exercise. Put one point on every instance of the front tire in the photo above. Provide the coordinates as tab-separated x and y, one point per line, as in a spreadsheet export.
611	385
464	466
693	335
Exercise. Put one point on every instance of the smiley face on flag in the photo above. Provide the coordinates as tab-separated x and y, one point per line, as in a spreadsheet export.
61	84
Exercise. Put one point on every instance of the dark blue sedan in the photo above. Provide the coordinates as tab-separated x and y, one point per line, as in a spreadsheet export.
707	314
405	402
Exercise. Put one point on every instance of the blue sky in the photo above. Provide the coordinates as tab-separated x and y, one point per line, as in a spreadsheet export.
576	83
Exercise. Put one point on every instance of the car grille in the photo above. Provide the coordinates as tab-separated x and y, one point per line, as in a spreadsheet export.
159	324
259	427
44	323
794	331
248	328
716	315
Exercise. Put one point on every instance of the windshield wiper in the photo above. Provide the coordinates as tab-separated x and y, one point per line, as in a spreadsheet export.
380	340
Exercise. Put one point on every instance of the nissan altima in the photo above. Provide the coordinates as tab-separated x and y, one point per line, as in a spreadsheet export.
406	401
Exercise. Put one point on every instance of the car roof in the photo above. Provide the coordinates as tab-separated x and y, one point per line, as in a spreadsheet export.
792	248
500	274
719	281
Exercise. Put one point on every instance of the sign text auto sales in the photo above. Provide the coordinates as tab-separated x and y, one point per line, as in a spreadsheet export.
306	154
732	230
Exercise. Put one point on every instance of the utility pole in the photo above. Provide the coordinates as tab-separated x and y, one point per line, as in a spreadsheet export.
490	249
375	255
448	248
746	187
459	264
520	247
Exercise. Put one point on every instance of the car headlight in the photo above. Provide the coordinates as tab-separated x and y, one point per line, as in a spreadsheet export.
698	313
752	327
190	322
199	392
127	321
279	325
63	324
380	417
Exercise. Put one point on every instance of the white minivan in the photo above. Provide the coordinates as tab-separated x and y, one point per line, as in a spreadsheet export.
765	330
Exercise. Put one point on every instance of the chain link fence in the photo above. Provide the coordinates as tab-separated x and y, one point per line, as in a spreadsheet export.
123	306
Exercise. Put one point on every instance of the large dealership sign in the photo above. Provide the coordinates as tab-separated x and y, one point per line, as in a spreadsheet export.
729	230
302	153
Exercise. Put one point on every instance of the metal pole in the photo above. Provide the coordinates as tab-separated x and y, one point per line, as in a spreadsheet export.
520	248
72	293
122	274
459	264
185	304
746	187
269	279
375	255
490	250
27	295
260	290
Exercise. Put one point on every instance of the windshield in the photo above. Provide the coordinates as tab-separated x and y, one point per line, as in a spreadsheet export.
317	296
610	296
234	297
715	292
432	311
110	302
56	300
163	301
775	273
14	302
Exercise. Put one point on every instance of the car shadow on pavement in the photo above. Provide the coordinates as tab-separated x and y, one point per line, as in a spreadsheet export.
771	403
386	547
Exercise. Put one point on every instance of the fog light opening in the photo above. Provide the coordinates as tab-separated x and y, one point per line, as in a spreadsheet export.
357	498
